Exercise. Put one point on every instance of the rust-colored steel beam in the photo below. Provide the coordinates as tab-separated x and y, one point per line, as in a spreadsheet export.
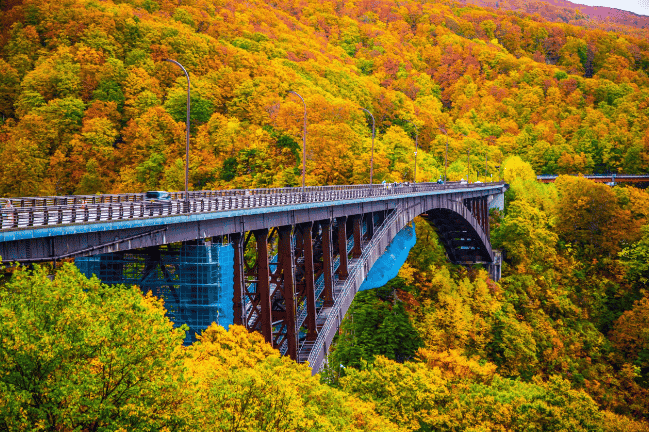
343	271
357	223
488	229
288	287
369	221
327	259
239	285
307	233
263	284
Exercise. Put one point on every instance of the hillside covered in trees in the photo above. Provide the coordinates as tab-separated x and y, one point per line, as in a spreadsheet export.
88	105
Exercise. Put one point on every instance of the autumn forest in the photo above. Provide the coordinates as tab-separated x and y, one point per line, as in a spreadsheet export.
89	106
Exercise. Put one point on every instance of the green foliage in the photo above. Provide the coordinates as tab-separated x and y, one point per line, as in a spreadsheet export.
376	324
421	398
176	105
636	259
79	355
410	394
149	171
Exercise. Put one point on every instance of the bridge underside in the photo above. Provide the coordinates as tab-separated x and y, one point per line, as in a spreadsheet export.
463	235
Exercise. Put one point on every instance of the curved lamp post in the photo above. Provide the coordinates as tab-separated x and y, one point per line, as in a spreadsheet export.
303	140
372	154
186	206
486	157
414	178
468	161
445	154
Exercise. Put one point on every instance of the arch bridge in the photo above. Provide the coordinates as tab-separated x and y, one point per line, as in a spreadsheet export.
299	255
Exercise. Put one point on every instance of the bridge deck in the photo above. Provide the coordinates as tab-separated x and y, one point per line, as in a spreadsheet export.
601	178
27	219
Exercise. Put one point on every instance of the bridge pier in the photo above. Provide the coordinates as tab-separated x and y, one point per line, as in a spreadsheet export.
357	222
238	244
305	284
341	240
327	261
261	296
194	279
287	284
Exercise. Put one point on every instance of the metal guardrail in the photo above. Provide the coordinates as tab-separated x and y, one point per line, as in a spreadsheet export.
52	211
342	302
595	176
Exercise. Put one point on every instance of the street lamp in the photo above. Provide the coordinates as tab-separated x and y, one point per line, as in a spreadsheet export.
186	205
414	178
468	161
486	156
372	154
445	154
303	140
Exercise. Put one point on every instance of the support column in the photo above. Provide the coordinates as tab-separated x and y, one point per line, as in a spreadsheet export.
263	284
343	271
486	209
239	275
369	220
307	230
485	214
357	250
288	287
327	259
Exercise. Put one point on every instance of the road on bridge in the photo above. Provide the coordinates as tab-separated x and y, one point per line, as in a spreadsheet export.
34	212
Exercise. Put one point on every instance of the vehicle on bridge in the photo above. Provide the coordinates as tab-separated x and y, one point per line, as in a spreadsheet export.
158	201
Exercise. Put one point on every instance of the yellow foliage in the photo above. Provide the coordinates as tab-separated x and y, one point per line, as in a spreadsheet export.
238	382
454	366
515	169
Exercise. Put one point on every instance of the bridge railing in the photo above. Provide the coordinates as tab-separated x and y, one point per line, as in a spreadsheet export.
343	301
50	211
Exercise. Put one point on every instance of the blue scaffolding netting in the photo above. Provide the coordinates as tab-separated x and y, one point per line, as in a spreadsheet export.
195	281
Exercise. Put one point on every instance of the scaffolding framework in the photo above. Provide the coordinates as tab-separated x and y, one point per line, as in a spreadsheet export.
195	281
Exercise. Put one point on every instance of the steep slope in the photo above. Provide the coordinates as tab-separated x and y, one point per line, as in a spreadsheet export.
90	106
605	18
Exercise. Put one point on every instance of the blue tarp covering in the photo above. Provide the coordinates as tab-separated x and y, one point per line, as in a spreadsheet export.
388	265
195	281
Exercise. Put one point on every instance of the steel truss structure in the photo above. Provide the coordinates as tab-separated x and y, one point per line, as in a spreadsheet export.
283	295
